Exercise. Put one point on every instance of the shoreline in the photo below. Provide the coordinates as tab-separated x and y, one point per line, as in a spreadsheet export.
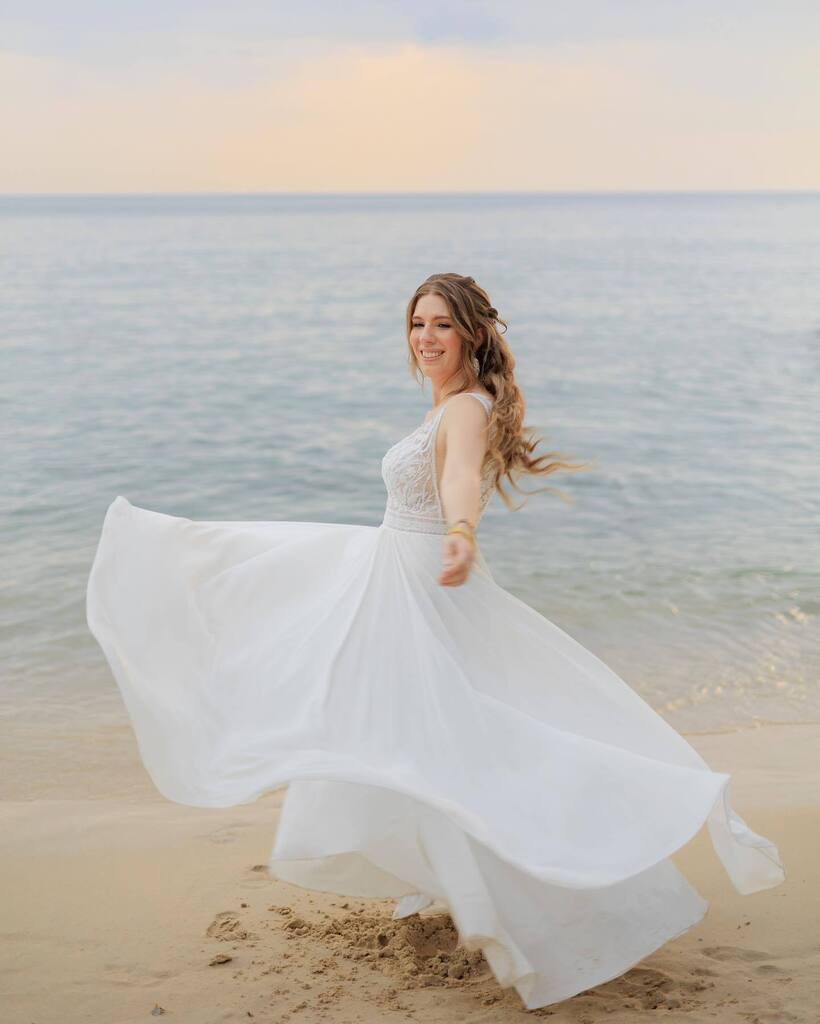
128	902
80	760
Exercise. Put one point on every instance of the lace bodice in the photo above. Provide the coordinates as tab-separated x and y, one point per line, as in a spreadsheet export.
408	470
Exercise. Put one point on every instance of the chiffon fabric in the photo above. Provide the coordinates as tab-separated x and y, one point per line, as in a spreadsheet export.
442	746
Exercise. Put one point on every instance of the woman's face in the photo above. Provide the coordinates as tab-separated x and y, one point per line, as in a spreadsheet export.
433	338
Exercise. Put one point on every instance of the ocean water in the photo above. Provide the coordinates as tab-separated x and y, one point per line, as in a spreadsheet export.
244	357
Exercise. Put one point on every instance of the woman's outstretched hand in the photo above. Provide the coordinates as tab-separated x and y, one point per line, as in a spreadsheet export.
458	555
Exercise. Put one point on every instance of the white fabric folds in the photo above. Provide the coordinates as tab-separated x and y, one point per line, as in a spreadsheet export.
441	743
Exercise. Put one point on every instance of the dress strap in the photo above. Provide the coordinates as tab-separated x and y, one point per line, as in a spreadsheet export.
486	402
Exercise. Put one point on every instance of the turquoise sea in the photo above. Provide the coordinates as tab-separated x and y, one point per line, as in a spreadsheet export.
244	357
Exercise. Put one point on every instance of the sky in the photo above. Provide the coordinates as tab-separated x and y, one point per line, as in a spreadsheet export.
416	96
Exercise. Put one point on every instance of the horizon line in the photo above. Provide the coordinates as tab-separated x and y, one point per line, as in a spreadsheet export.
430	192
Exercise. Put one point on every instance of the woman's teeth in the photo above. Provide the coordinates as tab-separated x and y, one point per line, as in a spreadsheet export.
430	356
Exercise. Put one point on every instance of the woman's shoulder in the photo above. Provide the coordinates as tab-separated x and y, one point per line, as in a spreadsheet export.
476	393
462	398
485	399
465	409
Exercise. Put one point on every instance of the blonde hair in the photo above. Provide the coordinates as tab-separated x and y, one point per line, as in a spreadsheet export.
486	360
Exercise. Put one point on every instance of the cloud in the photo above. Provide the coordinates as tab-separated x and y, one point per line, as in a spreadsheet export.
627	114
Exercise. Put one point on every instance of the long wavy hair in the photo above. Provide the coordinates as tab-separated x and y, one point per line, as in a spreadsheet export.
486	360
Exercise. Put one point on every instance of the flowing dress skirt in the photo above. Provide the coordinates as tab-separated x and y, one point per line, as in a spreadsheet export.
439	743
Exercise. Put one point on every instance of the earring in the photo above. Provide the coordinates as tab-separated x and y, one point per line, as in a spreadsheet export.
476	365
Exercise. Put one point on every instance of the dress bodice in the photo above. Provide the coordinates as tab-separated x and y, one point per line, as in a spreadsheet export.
409	473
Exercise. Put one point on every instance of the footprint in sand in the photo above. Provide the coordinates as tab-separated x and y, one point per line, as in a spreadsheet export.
653	989
256	877
775	1017
225	834
724	953
227	927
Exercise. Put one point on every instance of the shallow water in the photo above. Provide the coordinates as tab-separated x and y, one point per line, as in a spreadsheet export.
244	358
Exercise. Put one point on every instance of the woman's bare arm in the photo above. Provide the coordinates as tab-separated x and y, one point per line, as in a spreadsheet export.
465	429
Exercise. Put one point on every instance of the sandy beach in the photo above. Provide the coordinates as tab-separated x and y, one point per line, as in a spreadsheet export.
121	907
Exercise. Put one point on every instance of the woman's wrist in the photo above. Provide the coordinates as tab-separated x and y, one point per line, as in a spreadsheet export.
464	527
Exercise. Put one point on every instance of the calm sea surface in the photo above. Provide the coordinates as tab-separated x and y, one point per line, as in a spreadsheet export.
243	357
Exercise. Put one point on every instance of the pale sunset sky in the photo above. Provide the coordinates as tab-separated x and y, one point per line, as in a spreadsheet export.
365	96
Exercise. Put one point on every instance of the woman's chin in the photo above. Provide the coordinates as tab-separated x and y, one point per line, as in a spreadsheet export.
434	372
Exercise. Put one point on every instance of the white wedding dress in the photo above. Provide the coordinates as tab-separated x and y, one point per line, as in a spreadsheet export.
443	745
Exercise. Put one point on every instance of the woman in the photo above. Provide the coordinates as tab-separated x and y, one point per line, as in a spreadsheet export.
442	741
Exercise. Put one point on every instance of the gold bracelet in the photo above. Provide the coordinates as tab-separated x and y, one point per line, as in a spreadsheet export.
463	532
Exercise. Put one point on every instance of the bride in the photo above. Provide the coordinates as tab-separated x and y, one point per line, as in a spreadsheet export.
442	742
